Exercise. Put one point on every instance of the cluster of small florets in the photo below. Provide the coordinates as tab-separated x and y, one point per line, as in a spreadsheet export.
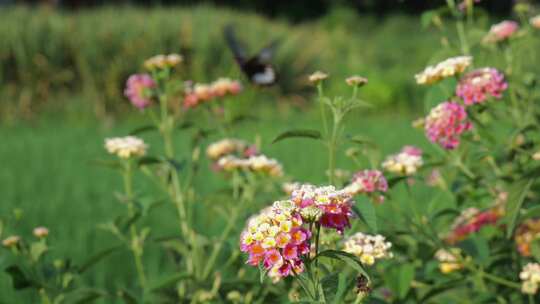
526	234
200	92
126	147
472	220
11	241
478	85
163	61
368	248
139	90
501	31
406	162
317	77
234	154
369	182
256	163
530	277
449	259
229	146
276	239
447	68
334	204
445	123
535	22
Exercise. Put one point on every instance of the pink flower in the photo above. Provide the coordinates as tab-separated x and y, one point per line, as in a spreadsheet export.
334	204
472	220
478	85
501	31
445	123
367	181
138	88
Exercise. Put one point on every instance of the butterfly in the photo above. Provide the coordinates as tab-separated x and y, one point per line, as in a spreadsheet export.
257	68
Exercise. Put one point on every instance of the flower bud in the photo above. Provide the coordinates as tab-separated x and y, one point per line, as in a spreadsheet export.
41	232
311	214
356	81
11	241
317	77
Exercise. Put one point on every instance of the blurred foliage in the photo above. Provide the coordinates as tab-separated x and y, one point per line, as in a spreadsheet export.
47	56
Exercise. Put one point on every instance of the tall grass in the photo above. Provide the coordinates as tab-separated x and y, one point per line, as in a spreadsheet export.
46	55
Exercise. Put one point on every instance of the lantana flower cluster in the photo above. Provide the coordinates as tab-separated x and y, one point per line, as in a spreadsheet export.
526	233
334	204
535	22
234	154
369	182
163	61
449	259
139	90
276	239
406	162
472	220
368	248
200	92
445	123
501	31
447	68
478	85
126	147
530	277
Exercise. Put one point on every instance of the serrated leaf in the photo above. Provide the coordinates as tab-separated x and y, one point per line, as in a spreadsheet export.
366	212
516	196
313	134
143	129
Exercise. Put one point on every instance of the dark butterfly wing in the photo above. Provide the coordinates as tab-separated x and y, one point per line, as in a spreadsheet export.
237	48
266	54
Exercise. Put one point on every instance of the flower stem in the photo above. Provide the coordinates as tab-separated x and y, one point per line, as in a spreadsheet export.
135	246
321	105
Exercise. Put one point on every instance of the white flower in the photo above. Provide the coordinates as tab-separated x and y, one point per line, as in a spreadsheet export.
447	68
406	162
530	275
224	147
368	248
126	147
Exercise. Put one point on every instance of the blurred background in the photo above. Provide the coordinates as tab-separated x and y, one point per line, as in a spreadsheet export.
64	64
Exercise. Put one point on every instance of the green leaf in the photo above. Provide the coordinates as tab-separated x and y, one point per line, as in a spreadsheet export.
366	212
516	196
18	278
395	180
530	213
148	160
98	257
143	129
329	285
348	258
363	141
438	289
37	249
168	281
84	296
477	247
535	249
314	134
399	278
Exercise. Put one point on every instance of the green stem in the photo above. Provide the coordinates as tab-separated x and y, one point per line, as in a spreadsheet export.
317	237
230	225
332	147
135	246
321	105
